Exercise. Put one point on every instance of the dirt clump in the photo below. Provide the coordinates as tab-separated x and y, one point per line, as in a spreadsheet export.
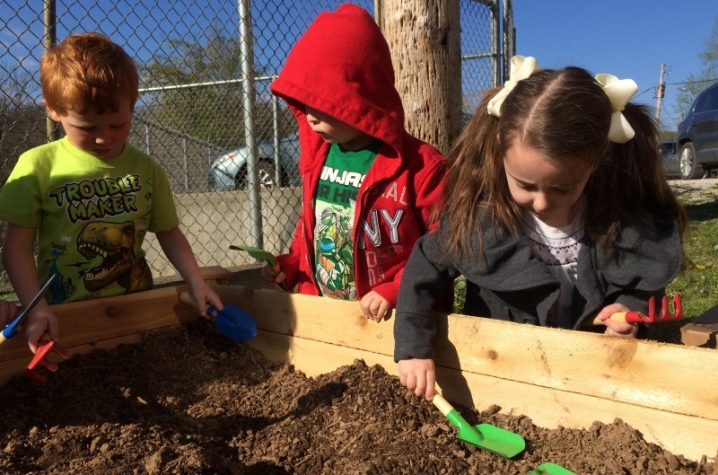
190	401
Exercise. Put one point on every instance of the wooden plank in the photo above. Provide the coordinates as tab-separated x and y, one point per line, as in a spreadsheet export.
91	321
112	317
554	377
547	407
649	374
107	322
702	330
653	375
16	366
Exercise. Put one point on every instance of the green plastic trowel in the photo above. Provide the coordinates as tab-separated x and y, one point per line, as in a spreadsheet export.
257	253
485	436
549	468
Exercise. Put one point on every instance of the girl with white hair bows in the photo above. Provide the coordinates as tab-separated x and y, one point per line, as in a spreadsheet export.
557	211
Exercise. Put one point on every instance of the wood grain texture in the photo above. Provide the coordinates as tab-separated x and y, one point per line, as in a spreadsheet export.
690	436
425	44
654	375
555	377
108	322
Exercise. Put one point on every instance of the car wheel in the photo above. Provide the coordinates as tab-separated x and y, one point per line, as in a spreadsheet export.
265	174
688	164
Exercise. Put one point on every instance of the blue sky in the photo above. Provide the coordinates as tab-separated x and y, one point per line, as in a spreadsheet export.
627	38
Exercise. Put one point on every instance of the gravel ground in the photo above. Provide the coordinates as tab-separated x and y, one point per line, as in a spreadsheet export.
696	190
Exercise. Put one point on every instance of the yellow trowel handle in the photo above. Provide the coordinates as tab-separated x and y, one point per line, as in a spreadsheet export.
442	404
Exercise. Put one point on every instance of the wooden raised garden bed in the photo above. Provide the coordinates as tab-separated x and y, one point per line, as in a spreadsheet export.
556	378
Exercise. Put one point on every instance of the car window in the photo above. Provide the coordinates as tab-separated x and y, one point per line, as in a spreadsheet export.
699	105
708	100
668	147
712	99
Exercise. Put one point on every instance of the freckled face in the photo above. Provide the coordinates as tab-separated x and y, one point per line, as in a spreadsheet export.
101	135
548	189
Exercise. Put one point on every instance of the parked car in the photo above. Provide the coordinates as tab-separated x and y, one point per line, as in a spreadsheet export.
228	171
698	136
670	158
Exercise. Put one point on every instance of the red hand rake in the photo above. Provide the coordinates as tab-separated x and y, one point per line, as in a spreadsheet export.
638	317
40	360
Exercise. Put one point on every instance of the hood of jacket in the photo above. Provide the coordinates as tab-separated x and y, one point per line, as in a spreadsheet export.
342	66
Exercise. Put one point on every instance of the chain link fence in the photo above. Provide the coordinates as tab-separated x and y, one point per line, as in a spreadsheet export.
199	62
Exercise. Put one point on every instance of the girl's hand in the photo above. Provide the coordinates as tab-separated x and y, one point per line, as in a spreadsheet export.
273	275
614	328
375	307
8	312
204	296
418	375
40	321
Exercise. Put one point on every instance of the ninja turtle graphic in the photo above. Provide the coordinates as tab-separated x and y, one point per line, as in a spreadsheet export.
334	270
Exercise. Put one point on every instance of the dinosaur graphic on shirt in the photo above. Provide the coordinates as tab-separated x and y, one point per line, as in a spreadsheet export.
114	243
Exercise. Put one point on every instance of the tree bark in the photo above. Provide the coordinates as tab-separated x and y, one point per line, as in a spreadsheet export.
425	44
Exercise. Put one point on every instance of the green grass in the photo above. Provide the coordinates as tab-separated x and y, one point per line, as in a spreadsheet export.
698	284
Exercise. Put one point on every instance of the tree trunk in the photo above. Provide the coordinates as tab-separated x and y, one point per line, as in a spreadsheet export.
424	38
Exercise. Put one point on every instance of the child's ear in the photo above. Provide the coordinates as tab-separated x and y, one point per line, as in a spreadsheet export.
51	112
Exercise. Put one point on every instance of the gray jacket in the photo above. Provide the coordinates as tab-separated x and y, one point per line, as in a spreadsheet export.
510	284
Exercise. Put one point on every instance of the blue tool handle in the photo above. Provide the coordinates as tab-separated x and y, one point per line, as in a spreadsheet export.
187	298
11	330
212	311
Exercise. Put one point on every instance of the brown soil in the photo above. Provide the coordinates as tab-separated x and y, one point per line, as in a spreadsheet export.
190	401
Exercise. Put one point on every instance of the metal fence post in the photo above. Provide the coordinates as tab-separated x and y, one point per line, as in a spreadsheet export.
184	162
245	33
275	121
49	41
204	96
148	147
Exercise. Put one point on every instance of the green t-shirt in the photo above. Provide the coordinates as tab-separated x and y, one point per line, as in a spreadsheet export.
341	178
91	217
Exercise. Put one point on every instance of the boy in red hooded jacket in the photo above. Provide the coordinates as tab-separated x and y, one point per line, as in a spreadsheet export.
370	188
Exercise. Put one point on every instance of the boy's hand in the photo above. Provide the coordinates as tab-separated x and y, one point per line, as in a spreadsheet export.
614	328
418	375
273	275
204	296
375	307
8	312
40	321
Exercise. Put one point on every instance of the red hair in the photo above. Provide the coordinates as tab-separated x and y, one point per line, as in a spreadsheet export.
88	72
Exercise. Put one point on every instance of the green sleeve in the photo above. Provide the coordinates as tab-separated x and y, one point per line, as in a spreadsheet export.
20	201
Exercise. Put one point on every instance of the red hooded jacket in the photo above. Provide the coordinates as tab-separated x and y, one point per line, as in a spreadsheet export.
342	67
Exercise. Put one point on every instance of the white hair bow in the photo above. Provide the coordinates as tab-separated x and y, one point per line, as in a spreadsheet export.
521	68
619	92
